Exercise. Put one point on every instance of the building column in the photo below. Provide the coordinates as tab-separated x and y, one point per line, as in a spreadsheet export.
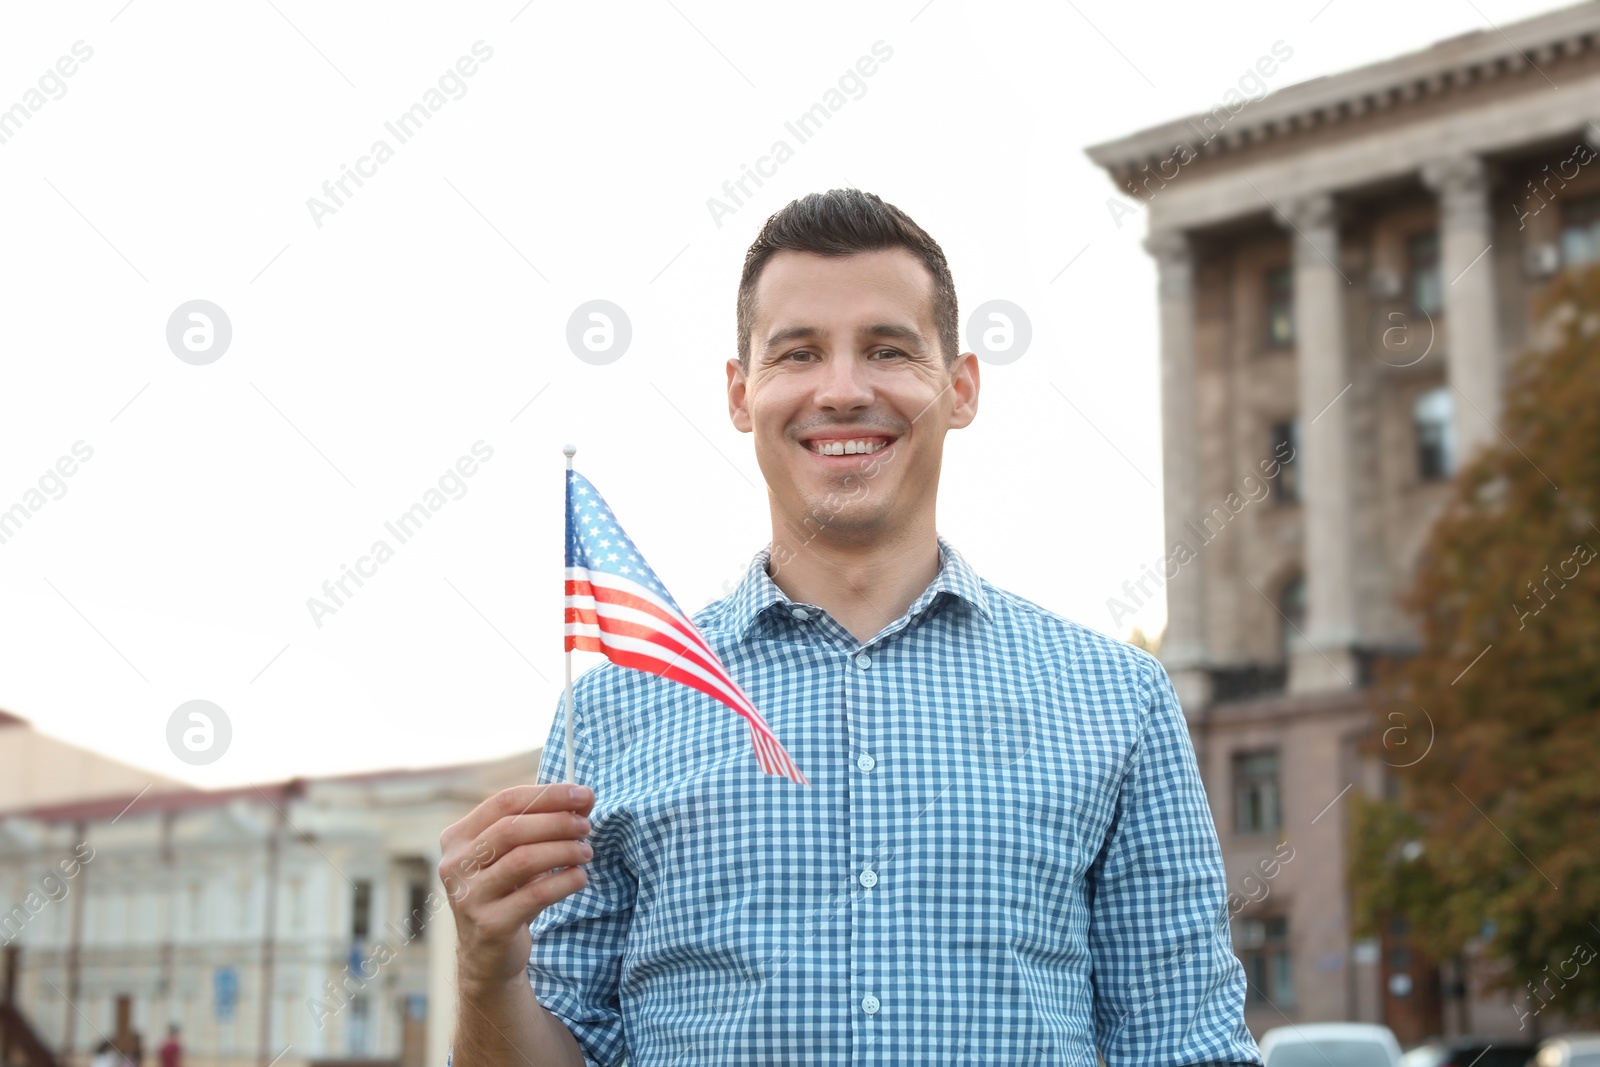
1466	265
1323	658
1183	650
440	937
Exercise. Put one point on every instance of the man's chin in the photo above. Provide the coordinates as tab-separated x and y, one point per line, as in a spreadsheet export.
856	523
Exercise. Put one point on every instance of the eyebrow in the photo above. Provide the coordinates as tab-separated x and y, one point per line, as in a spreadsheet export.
905	334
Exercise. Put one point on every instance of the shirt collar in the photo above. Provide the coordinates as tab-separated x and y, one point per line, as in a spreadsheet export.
758	592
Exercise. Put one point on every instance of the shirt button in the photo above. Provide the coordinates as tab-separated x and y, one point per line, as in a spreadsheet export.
869	1004
863	661
866	762
869	879
800	613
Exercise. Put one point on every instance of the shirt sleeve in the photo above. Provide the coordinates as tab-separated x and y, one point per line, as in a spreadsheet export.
576	963
1167	986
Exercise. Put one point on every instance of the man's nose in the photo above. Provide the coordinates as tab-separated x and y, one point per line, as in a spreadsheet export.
844	383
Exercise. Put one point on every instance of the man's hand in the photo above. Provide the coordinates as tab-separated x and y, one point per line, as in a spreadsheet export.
516	854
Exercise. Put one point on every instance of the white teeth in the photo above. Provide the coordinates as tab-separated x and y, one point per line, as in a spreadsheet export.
847	448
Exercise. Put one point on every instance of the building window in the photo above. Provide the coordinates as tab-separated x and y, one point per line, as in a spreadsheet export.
1422	273
1432	418
1280	307
361	910
1255	792
1286	442
356	1036
1292	613
1262	945
1580	231
417	916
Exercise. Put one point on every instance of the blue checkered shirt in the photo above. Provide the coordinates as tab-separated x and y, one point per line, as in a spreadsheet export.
1005	856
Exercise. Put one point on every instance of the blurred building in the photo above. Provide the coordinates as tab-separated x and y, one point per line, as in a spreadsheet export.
36	768
296	923
1347	268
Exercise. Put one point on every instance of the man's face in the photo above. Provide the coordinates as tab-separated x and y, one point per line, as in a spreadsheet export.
845	358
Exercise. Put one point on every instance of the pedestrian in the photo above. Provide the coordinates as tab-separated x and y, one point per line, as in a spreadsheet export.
171	1052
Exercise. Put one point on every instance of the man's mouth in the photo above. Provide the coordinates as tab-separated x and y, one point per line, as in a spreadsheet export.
847	446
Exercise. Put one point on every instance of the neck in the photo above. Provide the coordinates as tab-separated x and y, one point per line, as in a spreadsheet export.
864	587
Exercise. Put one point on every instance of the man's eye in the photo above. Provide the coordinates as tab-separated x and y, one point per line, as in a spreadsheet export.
799	357
886	351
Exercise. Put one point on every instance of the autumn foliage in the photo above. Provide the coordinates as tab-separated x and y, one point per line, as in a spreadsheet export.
1491	841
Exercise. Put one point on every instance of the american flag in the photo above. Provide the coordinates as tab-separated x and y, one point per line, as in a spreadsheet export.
617	606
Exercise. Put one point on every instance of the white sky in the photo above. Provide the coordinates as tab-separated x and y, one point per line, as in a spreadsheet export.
370	353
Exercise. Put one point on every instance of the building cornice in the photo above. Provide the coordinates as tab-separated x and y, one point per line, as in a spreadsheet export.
1342	101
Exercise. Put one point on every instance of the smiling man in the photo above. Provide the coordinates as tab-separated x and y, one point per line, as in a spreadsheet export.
1005	855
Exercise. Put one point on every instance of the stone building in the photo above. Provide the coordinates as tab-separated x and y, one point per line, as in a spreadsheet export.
1347	268
290	924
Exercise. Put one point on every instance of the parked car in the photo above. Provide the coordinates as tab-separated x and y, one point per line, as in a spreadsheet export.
1569	1050
1470	1052
1330	1045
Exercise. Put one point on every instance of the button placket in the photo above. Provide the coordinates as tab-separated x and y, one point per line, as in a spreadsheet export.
869	810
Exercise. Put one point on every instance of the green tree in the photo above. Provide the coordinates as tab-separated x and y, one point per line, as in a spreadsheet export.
1491	828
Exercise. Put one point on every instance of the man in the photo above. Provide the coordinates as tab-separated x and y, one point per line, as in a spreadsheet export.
1005	855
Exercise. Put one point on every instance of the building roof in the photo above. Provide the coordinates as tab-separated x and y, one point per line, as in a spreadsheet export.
275	793
1338	101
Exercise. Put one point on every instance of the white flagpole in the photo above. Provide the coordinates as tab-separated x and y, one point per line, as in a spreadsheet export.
569	451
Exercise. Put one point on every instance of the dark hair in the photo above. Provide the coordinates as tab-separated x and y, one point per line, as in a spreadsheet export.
842	222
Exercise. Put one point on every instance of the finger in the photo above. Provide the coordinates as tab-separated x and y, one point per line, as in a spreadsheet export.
511	832
524	864
521	907
515	830
519	800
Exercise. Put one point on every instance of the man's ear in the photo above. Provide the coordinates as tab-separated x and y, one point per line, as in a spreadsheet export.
736	406
964	388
